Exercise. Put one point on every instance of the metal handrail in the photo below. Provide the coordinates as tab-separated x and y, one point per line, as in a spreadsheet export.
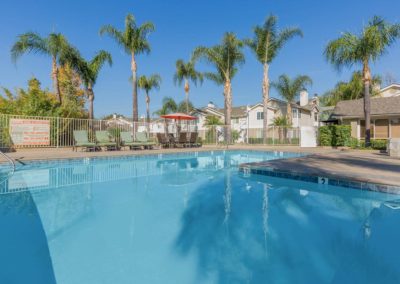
11	161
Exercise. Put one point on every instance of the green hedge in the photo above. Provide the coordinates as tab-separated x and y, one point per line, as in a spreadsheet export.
335	135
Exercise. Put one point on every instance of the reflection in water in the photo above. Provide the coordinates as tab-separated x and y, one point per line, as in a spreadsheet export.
265	215
194	220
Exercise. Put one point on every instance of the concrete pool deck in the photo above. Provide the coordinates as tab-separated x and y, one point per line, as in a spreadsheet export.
363	166
358	166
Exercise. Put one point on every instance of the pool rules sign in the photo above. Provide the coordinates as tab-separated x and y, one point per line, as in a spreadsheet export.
30	132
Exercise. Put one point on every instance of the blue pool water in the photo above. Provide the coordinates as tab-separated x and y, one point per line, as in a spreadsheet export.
190	218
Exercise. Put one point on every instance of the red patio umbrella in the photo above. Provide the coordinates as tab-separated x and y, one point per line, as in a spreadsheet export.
179	116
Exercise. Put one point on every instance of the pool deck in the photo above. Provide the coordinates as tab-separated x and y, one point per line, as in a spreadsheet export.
358	166
363	166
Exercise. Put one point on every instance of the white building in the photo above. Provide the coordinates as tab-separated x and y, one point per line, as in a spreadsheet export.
248	120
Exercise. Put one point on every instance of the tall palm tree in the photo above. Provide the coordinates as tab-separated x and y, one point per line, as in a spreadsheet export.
185	72
266	43
133	39
54	45
147	84
89	71
289	89
363	48
226	58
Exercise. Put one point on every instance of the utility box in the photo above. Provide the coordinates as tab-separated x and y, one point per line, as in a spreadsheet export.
394	147
308	136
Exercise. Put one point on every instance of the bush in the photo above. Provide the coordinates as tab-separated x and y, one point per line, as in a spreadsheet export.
325	136
342	135
335	135
378	144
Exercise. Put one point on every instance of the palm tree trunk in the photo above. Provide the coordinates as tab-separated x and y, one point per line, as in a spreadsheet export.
265	90
367	103
56	84
134	92
91	100
187	88
228	110
148	112
289	113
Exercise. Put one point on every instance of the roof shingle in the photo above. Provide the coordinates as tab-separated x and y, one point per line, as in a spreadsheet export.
379	106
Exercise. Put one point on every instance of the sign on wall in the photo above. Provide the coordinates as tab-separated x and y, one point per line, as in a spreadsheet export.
30	132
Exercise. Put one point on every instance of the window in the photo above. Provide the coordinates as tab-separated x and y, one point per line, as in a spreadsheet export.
381	128
316	117
295	113
260	115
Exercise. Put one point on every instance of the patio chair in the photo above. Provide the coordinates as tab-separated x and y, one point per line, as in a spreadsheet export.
127	140
103	140
141	137
193	139
162	140
183	139
171	140
81	140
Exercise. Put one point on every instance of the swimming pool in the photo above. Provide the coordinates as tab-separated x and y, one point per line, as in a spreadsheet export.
191	218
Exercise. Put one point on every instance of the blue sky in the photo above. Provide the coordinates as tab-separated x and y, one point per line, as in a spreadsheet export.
180	27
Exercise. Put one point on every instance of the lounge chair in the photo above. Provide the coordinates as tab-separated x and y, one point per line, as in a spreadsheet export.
103	140
193	139
127	140
183	139
81	140
141	137
162	140
171	140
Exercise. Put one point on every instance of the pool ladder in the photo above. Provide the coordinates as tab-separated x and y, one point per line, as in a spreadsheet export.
11	161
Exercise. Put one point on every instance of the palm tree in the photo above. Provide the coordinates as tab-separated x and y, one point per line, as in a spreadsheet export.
186	72
89	71
134	41
185	106
54	45
268	40
351	90
289	89
226	58
168	106
147	84
363	48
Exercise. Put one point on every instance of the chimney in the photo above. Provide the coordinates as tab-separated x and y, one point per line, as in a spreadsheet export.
114	116
303	98
211	105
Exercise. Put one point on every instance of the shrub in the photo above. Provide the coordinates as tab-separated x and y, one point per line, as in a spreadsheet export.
342	135
335	135
378	144
325	136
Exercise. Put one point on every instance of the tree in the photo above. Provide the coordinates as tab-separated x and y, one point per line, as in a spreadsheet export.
351	90
168	106
89	72
186	72
147	84
289	89
363	48
226	57
185	106
55	45
267	41
35	101
133	39
212	120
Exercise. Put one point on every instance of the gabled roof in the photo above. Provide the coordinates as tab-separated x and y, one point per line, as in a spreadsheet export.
379	106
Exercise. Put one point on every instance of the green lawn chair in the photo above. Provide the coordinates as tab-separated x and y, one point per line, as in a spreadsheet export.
81	140
127	140
141	137
103	140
